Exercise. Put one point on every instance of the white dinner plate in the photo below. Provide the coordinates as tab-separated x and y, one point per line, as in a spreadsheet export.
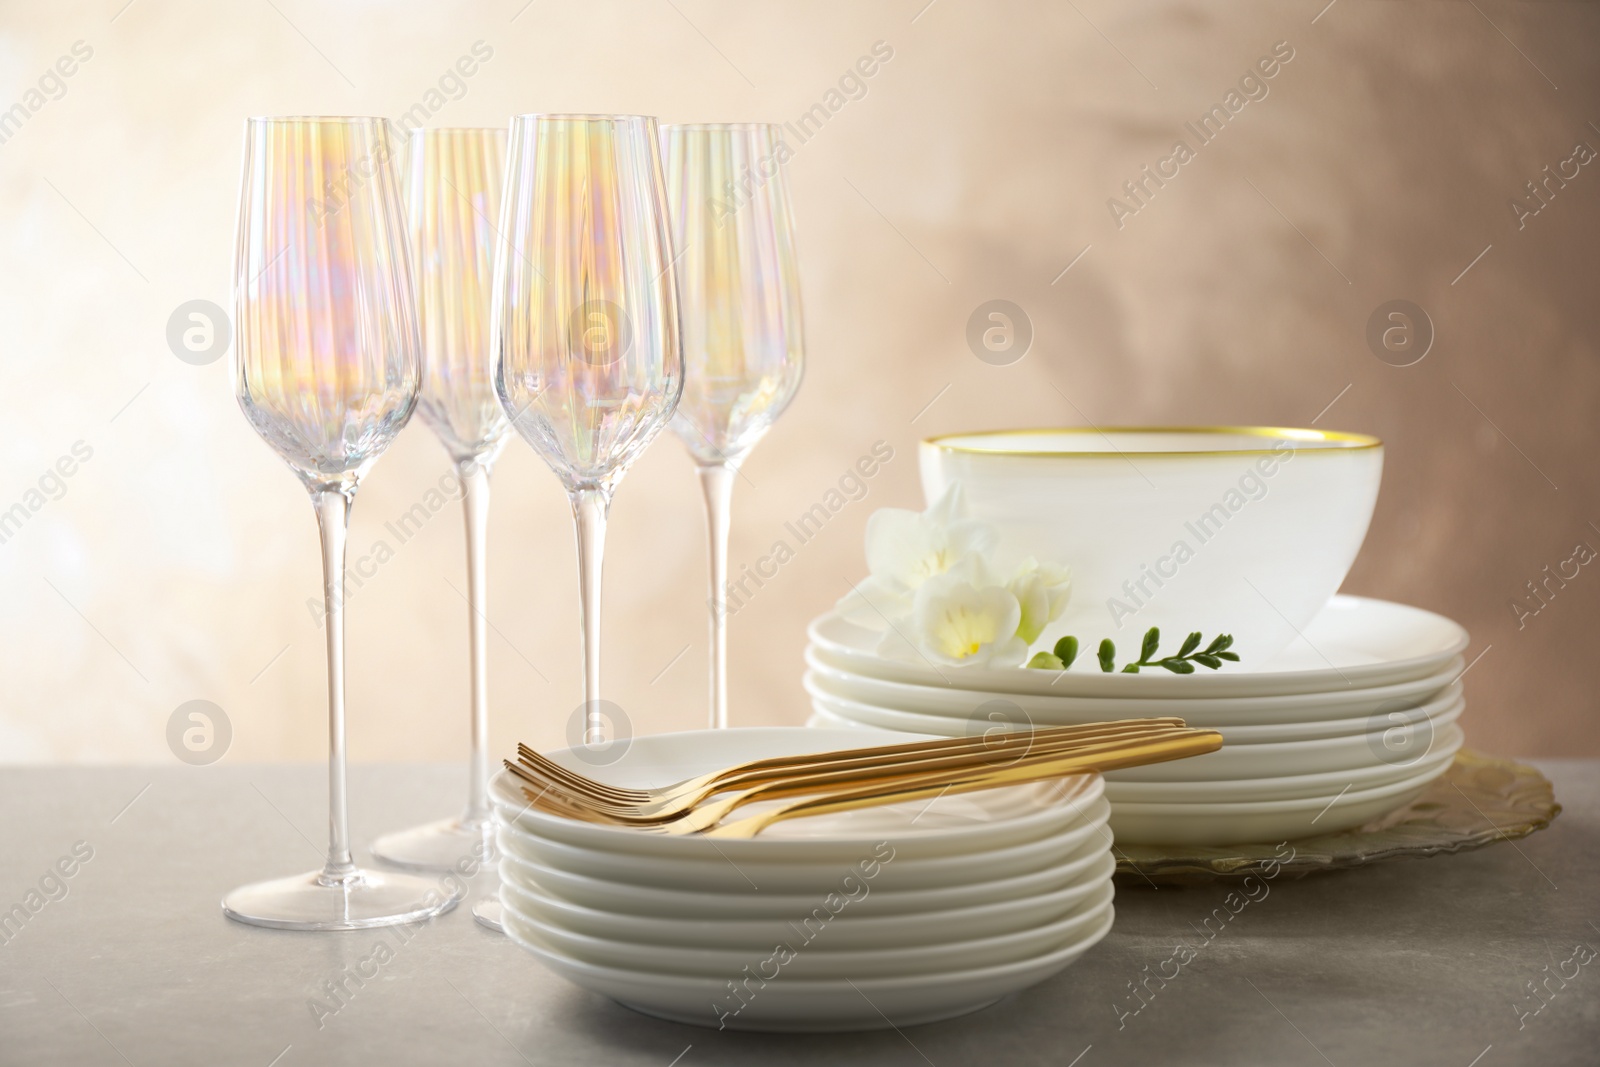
771	903
808	1004
1385	741
947	951
1291	787
944	826
1445	708
1353	642
834	683
880	861
846	931
1263	821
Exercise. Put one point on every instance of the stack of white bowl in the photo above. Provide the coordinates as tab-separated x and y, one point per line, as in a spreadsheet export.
878	917
1341	709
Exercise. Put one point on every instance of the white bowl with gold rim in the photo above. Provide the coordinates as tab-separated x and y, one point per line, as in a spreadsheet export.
1225	529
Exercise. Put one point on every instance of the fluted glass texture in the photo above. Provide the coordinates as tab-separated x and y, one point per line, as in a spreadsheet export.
585	317
738	284
454	183
327	363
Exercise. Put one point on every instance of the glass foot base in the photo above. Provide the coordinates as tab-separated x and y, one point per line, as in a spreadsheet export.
313	902
438	846
487	913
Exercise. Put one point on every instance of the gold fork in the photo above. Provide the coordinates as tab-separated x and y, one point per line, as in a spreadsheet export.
686	815
851	765
933	786
756	771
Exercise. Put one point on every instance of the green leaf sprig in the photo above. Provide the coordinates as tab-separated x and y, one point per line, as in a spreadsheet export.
1182	662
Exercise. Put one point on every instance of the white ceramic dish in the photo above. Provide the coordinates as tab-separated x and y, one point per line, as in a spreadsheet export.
668	903
1446	708
844	931
1272	820
947	826
1291	787
834	683
1244	530
1384	741
948	951
1354	642
808	1004
706	872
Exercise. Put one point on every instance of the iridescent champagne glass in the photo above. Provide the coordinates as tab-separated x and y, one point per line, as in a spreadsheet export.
585	321
326	369
454	179
739	293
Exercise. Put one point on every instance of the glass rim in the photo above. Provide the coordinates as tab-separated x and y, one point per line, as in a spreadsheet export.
347	120
722	126
1311	441
413	131
564	116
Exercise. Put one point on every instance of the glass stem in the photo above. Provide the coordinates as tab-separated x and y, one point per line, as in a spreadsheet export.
474	477
333	520
589	507
716	482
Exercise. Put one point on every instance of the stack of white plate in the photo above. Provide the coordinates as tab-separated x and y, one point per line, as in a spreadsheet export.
1355	719
860	920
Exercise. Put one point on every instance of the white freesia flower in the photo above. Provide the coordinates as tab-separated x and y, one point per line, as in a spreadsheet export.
1042	589
959	624
905	549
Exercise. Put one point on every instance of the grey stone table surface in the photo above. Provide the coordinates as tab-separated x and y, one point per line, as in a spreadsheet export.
130	961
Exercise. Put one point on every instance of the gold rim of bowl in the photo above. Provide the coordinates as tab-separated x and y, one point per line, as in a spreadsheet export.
1312	441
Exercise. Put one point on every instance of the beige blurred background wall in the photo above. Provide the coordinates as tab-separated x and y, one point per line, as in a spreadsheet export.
178	562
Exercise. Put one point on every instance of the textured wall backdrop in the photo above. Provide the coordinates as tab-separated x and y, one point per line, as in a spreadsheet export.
163	554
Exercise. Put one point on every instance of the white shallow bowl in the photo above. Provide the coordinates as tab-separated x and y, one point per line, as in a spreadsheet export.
1354	642
948	826
879	861
1442	710
1262	821
846	930
949	951
1249	530
786	1005
663	902
835	683
1291	787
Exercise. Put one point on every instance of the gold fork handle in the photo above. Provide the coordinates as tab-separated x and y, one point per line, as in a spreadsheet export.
710	812
1034	770
983	745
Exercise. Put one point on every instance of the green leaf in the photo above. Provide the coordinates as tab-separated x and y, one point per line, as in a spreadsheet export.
1178	666
1152	638
1067	651
1232	657
1207	661
1047	661
1132	668
1108	655
1223	641
1190	643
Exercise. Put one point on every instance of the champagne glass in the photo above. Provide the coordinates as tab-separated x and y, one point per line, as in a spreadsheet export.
739	288
326	369
454	181
585	321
